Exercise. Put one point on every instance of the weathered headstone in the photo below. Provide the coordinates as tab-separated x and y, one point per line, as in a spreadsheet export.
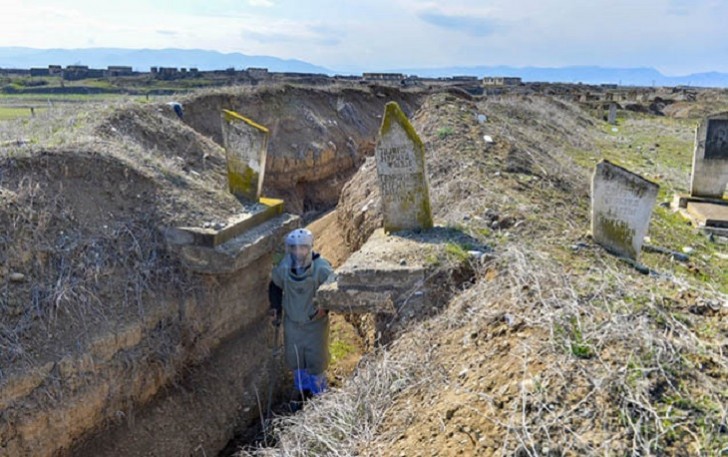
710	159
612	118
246	144
622	204
400	157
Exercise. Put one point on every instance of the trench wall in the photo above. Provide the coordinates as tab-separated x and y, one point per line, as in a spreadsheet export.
145	389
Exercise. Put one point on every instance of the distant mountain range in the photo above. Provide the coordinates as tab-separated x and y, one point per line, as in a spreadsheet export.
582	74
143	59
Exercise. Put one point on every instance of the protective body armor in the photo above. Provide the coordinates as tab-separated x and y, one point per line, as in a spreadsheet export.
306	337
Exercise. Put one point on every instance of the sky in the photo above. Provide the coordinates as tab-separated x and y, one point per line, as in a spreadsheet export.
676	37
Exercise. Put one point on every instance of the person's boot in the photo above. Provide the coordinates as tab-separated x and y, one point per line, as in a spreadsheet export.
318	384
295	402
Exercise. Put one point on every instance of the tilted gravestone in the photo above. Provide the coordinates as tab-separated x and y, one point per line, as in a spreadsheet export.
710	159
400	158
246	144
612	117
622	204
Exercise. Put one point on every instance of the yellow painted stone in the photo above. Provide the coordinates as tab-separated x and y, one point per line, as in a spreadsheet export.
246	144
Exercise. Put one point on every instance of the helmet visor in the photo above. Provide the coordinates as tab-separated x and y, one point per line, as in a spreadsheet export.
300	254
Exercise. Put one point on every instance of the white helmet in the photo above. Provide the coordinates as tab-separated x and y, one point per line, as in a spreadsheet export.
300	237
299	246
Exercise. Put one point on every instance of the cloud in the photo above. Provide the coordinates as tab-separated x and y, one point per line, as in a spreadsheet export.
261	3
319	34
167	32
472	25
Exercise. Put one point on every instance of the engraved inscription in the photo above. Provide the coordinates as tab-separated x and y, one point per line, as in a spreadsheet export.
716	142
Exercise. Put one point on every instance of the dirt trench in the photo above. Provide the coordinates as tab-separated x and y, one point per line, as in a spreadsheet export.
319	136
137	355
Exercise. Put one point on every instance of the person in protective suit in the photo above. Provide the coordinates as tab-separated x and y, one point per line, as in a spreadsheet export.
294	282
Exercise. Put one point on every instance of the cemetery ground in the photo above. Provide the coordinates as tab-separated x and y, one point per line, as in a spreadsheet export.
558	348
555	348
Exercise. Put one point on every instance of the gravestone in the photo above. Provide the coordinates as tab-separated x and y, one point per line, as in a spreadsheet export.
710	159
400	158
612	117
246	144
622	204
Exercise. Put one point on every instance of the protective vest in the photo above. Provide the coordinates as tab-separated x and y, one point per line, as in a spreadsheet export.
299	289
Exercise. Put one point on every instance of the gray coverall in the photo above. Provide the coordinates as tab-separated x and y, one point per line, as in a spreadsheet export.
306	338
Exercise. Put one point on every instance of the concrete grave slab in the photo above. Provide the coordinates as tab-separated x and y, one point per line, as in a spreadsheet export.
253	215
400	158
240	251
246	146
707	214
335	298
710	159
402	271
622	204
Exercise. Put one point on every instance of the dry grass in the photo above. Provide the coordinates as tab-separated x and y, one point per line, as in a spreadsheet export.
83	213
340	422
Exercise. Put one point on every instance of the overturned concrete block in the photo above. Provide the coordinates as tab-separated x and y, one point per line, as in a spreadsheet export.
330	296
710	158
622	204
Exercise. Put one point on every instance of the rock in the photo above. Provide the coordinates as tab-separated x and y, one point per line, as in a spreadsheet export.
578	246
488	139
687	249
17	277
509	319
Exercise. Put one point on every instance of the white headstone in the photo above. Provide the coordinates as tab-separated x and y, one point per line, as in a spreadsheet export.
246	146
400	157
622	204
710	159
